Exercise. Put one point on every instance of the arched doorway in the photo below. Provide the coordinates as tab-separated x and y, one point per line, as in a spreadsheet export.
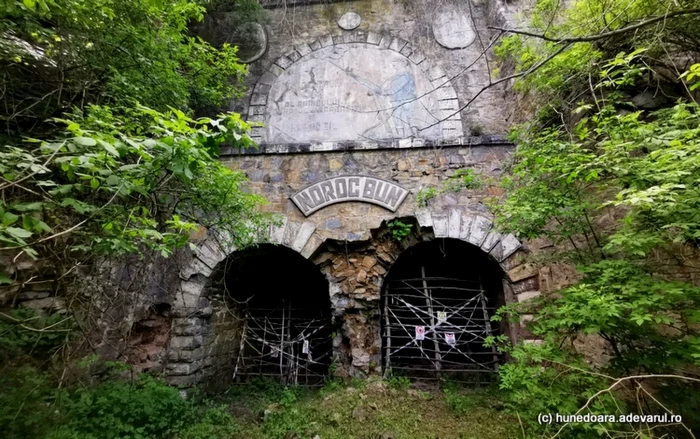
283	303
437	303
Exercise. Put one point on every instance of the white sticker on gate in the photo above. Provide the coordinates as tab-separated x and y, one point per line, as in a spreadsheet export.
442	316
305	347
420	332
450	338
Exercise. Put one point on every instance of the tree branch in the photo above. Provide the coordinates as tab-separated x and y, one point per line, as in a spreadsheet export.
589	38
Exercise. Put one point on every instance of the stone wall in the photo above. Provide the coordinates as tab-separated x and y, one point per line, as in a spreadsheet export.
278	176
377	72
381	89
351	245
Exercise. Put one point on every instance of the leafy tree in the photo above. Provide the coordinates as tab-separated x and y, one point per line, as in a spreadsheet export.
59	54
110	186
612	180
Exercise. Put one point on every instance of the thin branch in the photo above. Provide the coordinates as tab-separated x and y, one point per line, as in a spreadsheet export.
494	83
589	38
617	383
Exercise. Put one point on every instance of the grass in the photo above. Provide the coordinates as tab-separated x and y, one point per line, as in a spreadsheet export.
367	410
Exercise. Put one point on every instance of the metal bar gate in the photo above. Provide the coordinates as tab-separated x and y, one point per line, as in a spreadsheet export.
286	343
437	325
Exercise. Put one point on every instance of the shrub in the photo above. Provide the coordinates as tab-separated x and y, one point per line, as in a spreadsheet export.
142	409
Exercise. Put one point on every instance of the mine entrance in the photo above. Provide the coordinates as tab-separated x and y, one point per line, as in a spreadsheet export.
438	300
282	301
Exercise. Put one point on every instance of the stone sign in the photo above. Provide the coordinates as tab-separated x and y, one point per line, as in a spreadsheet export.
349	188
357	92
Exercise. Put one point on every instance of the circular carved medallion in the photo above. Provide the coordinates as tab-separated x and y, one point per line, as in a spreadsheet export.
453	30
349	21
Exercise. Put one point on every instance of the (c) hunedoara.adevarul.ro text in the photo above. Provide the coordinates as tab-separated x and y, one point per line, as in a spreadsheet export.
558	418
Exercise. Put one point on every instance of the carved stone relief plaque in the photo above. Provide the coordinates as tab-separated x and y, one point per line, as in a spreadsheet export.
353	92
347	188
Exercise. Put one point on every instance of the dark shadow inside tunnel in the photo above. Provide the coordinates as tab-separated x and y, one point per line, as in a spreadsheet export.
283	303
437	304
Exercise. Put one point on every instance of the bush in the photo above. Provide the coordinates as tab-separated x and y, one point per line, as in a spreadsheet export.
109	52
23	331
145	408
398	382
214	423
26	400
31	407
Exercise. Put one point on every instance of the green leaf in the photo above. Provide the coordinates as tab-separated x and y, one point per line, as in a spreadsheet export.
9	218
28	207
18	233
113	180
5	278
109	148
84	141
77	205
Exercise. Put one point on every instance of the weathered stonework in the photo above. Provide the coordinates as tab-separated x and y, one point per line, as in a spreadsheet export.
383	97
402	75
355	272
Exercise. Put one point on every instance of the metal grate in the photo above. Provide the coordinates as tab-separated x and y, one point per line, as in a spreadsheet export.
288	343
435	326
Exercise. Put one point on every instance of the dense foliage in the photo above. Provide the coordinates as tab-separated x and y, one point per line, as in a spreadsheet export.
145	408
120	187
103	163
56	55
609	172
124	169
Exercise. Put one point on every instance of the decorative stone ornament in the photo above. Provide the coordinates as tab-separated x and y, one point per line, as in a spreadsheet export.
319	94
453	30
255	44
349	188
349	21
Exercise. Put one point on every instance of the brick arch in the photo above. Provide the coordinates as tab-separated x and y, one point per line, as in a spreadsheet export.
209	254
521	279
441	82
474	229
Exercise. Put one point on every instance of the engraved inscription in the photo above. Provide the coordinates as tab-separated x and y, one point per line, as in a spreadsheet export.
349	188
352	92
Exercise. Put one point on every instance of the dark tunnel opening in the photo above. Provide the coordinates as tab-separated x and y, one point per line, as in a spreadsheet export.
282	300
438	300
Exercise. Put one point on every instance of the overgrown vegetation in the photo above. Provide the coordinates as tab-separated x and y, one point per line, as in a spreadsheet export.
103	158
399	230
119	178
105	170
366	409
462	179
57	55
114	407
31	406
608	172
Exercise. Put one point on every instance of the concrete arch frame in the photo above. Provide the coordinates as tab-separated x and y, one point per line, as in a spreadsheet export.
439	80
193	346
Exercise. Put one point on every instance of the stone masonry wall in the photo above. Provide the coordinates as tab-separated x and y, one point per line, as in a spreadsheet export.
351	245
277	177
394	70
